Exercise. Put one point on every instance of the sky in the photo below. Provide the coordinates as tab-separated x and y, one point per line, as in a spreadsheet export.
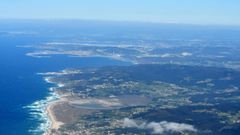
204	12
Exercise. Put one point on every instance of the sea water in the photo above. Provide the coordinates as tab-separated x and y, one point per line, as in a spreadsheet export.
24	93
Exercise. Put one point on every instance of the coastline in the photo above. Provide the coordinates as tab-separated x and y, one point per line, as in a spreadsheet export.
42	110
38	113
54	123
48	110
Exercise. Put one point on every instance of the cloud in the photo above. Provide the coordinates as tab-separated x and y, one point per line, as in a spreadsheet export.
159	127
129	123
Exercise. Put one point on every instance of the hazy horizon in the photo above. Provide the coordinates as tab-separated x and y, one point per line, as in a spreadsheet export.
44	20
199	12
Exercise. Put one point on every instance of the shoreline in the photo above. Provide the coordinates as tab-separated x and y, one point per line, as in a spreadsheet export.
54	123
38	113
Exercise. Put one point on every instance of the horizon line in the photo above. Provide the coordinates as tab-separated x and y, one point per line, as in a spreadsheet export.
122	21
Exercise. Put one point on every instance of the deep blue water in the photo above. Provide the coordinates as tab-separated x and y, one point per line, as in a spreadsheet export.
21	86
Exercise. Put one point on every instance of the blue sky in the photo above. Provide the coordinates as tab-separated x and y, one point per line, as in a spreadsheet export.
221	12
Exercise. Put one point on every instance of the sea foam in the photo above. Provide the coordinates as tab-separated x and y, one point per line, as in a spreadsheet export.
38	112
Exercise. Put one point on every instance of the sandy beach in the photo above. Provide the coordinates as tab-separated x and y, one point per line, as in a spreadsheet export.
55	124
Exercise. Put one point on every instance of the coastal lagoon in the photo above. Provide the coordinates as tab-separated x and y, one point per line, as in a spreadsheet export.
22	90
32	51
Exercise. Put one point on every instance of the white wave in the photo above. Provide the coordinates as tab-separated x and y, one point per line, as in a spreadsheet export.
38	113
60	85
184	54
48	79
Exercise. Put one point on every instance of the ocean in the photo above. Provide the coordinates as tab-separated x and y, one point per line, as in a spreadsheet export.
22	90
24	93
